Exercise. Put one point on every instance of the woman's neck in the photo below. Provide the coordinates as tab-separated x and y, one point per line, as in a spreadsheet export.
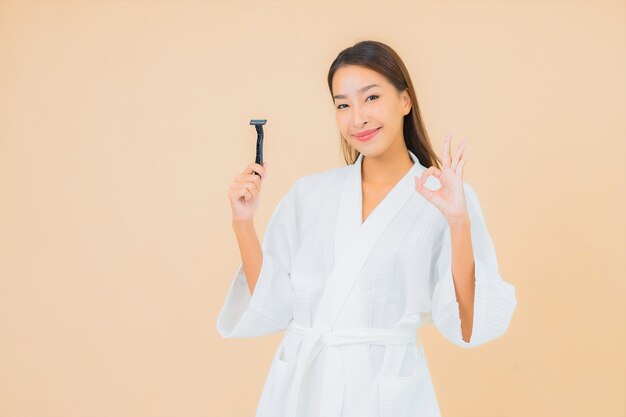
385	169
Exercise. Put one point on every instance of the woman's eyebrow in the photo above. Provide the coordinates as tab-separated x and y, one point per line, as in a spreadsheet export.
362	90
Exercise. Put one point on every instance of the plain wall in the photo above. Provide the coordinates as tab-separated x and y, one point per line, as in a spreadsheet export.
122	124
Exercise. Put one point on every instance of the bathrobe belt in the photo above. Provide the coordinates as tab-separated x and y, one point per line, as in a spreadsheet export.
314	339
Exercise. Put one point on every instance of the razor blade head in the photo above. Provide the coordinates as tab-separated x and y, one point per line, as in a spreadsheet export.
258	122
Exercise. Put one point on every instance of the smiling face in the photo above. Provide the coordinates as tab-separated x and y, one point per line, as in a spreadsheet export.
365	100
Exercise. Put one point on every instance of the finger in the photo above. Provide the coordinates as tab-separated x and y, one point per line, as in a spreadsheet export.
462	163
254	167
246	186
258	168
428	172
253	193
249	193
254	186
421	188
251	170
446	150
239	193
250	178
247	178
256	181
434	171
457	155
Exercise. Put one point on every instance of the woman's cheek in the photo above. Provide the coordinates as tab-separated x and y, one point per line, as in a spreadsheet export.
341	122
378	113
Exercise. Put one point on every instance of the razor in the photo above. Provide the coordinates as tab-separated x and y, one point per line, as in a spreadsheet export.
258	124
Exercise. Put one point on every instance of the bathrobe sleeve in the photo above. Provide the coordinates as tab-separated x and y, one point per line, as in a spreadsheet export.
270	308
494	299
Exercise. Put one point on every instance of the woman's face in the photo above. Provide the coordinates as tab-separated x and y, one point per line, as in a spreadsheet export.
360	107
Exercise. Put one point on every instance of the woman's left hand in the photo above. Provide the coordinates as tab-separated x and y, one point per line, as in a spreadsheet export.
449	198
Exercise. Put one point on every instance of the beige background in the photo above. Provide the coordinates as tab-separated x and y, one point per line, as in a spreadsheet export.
122	124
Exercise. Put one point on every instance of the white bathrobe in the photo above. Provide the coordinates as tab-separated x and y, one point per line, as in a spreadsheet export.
351	295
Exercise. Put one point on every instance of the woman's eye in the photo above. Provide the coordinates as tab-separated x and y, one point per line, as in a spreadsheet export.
339	106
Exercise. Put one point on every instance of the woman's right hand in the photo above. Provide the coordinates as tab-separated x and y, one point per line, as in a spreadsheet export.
244	192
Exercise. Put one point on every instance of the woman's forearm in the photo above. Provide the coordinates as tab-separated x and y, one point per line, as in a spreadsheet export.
463	272
250	250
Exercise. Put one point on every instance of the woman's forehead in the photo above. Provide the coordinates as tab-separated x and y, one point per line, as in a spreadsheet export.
354	80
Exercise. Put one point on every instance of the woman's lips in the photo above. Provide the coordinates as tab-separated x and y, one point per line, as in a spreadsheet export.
367	136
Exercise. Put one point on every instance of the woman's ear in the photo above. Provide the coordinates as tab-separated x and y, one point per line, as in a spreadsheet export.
406	102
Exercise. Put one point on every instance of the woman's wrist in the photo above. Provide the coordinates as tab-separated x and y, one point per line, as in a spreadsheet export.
243	224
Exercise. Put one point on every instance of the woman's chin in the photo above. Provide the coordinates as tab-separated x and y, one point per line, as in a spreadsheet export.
368	149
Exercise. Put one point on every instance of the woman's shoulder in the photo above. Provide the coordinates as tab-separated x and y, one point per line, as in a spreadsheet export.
322	180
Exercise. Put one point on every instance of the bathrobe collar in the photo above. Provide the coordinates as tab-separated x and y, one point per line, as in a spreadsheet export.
349	218
354	239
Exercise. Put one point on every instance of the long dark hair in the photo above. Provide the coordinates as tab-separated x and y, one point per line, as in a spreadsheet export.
381	58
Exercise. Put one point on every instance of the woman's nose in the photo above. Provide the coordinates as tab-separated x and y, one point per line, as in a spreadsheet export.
359	117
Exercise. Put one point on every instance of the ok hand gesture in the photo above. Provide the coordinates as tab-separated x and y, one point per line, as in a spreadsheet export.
449	198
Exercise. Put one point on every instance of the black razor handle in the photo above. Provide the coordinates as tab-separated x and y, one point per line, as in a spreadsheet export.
258	124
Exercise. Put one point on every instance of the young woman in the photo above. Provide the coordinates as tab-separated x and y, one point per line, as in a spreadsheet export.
355	259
